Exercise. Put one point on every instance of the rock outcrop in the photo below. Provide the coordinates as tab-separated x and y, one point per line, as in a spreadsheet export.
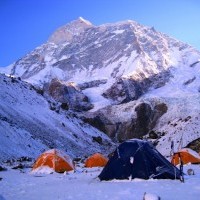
128	89
141	121
69	95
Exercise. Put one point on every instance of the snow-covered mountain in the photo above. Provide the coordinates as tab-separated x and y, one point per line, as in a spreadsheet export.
137	79
116	53
29	125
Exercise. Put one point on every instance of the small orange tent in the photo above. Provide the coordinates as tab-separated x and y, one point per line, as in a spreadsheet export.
55	159
96	160
185	155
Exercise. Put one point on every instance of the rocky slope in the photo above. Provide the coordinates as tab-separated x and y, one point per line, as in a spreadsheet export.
126	79
29	125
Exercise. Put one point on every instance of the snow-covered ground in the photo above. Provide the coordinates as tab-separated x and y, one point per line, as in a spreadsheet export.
82	185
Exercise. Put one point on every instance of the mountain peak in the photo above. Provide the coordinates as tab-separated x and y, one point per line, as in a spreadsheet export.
68	31
81	19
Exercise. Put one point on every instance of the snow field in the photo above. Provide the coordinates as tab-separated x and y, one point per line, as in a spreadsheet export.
84	184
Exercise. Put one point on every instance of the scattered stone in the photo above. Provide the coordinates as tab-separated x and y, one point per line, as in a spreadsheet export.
190	172
2	168
19	166
189	81
24	158
77	159
149	196
64	106
97	139
153	135
193	64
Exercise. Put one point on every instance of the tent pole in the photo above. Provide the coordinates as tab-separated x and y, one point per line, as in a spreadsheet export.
181	168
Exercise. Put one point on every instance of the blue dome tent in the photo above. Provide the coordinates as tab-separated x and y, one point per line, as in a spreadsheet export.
138	159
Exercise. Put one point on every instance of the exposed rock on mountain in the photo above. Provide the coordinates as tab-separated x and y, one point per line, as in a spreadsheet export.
95	83
68	94
126	121
129	89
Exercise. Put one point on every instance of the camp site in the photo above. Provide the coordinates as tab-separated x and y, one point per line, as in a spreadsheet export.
135	170
100	100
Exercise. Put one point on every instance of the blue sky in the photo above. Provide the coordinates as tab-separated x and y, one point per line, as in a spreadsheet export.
26	24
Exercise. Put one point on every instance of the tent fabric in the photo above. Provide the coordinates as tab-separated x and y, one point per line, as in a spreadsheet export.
185	155
138	159
96	160
55	159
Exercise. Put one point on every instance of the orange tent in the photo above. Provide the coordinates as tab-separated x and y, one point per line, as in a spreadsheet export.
96	160
186	155
55	159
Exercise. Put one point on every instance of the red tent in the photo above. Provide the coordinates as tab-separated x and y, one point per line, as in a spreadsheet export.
96	160
55	159
185	155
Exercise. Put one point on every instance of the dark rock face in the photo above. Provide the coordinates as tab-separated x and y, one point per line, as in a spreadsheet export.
148	117
145	121
91	84
124	90
69	95
101	122
158	111
144	113
129	89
